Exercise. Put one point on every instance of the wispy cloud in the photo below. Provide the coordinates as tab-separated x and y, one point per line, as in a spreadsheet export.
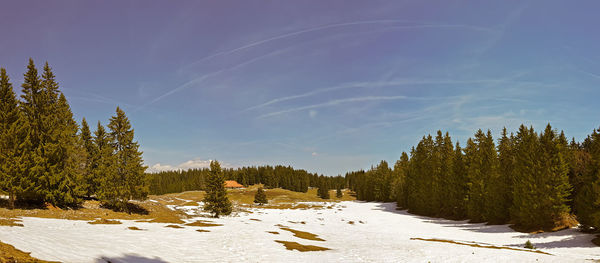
417	24
191	164
377	84
334	103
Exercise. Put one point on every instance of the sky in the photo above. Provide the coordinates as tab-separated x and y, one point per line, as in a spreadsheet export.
326	86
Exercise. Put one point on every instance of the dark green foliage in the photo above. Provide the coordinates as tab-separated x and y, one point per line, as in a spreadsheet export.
260	197
88	153
528	245
587	199
13	136
126	179
525	180
277	176
215	200
323	190
338	193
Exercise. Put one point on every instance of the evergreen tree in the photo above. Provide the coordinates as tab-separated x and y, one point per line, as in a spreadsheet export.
34	161
323	190
215	200
89	151
457	186
260	197
400	171
338	193
496	206
587	199
127	181
103	166
13	137
475	173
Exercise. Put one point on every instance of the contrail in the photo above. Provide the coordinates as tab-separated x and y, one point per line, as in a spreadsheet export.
333	103
319	28
208	75
371	85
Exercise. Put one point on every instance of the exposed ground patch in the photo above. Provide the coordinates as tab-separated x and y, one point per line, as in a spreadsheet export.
10	254
174	226
273	232
135	228
202	230
202	223
478	245
10	222
289	245
104	221
302	234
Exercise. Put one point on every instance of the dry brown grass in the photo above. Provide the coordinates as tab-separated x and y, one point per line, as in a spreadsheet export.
202	230
135	228
10	222
254	219
302	234
9	254
565	221
302	248
478	245
174	226
91	210
203	223
273	232
104	221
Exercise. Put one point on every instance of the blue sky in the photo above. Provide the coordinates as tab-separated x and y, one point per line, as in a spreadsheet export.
327	86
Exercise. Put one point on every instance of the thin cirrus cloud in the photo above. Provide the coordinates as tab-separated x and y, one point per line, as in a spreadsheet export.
374	85
418	24
190	164
333	103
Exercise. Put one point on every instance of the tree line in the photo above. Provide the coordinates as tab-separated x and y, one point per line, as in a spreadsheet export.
46	157
278	176
532	180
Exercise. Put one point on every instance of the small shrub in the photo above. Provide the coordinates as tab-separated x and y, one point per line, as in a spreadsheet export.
528	245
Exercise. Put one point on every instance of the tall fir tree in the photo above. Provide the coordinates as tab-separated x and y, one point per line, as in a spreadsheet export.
587	199
477	179
34	160
215	200
89	152
496	206
13	140
103	164
127	181
457	185
400	171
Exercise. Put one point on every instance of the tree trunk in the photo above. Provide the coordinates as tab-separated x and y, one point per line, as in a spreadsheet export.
11	200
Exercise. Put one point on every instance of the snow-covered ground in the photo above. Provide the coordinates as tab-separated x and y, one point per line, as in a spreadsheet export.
383	236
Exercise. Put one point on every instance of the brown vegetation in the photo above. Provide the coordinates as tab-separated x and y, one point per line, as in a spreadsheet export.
174	226
10	222
202	223
302	234
478	245
9	254
104	221
302	248
135	228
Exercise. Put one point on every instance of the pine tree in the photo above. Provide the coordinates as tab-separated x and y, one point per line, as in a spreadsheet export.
400	171
103	164
127	181
85	137
496	206
260	197
33	167
475	171
338	192
587	200
323	190
13	137
457	185
215	200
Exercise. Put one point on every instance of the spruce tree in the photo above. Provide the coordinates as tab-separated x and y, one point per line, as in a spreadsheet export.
496	206
323	190
34	160
587	200
338	192
260	197
475	171
85	137
215	200
127	182
457	185
400	171
103	166
13	137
